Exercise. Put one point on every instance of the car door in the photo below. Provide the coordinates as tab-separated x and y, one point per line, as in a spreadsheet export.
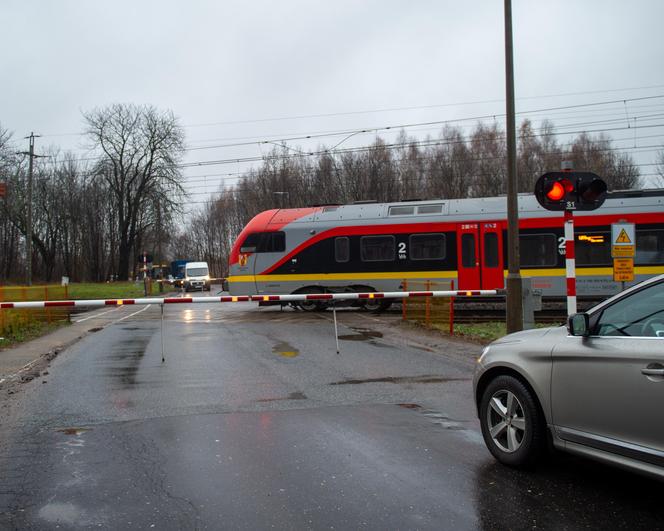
607	390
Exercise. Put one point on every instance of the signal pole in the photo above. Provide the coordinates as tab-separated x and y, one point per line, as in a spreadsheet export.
514	307
28	230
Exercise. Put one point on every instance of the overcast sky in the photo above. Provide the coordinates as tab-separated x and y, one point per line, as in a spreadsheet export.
269	70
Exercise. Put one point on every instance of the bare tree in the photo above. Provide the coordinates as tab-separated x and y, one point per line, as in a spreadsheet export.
659	179
140	148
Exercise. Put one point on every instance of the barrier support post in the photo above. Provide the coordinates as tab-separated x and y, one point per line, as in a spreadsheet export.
336	329
404	311
161	331
452	310
427	305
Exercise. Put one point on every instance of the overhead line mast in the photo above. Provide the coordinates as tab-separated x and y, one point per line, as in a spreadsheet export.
514	307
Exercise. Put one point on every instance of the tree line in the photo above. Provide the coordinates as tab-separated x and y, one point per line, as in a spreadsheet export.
94	215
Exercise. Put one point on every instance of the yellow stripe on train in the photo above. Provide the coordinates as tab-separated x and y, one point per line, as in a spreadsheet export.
426	275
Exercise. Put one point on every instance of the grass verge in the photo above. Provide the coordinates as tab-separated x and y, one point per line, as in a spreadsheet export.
28	331
108	290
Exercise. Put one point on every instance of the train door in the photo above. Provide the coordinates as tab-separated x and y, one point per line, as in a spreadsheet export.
480	256
269	250
491	256
468	253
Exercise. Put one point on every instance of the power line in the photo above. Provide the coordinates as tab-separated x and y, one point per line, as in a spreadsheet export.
421	107
374	130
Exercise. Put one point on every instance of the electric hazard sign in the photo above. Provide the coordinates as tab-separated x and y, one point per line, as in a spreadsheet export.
623	240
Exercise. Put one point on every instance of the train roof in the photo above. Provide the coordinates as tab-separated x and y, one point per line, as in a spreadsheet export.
468	208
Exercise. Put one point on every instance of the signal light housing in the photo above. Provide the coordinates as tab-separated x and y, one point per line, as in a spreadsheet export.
566	190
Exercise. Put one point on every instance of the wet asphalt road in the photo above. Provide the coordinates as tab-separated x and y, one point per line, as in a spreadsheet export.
254	422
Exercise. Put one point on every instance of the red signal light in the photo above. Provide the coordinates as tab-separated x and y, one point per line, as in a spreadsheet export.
559	189
570	191
556	191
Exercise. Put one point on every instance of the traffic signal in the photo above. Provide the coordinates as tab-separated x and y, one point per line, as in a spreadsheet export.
570	190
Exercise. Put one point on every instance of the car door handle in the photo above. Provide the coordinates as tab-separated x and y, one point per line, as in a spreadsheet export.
654	369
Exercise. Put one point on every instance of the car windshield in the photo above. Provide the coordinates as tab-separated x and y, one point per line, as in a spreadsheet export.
197	272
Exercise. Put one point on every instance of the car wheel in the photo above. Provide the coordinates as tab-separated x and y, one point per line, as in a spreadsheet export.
513	427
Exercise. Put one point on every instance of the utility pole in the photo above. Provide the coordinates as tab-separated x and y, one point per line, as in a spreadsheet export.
28	230
514	286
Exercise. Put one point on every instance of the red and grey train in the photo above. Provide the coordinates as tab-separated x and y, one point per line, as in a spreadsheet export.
376	246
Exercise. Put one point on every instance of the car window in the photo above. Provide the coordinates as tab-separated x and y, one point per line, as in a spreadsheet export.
640	314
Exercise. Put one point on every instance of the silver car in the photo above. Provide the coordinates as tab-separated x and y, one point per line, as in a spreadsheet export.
594	388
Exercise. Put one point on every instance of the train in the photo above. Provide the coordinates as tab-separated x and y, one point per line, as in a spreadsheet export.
371	246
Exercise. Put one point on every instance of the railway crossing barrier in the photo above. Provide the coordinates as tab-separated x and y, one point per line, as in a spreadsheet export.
330	297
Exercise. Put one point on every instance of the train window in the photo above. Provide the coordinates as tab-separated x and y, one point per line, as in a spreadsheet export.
377	248
402	211
250	243
490	249
430	209
265	242
427	247
649	247
342	249
468	250
593	248
538	250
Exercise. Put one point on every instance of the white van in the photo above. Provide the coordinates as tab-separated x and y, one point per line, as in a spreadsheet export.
196	276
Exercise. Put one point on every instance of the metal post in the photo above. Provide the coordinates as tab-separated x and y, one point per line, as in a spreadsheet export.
336	329
161	330
514	307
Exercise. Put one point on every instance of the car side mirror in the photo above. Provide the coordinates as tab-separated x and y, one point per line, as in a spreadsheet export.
247	249
578	324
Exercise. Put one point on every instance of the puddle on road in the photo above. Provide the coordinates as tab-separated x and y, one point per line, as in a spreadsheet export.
297	395
363	334
426	379
410	406
446	422
125	360
285	350
72	431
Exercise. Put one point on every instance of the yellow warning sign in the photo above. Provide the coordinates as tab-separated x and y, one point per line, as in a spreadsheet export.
622	251
623	269
623	238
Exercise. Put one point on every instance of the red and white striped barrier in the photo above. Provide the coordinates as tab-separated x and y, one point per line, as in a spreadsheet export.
253	298
570	262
